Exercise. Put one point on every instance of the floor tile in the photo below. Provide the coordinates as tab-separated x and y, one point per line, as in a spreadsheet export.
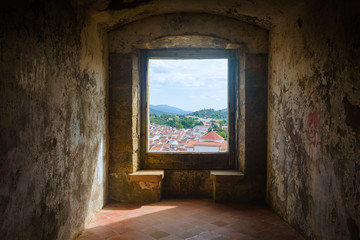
192	219
171	237
159	234
185	234
219	223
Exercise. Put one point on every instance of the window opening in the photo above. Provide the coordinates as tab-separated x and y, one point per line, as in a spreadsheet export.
188	105
191	156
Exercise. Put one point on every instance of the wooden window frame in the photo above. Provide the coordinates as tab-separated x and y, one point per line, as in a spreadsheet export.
189	160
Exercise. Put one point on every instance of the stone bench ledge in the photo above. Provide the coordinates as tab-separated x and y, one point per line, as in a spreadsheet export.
147	176
226	176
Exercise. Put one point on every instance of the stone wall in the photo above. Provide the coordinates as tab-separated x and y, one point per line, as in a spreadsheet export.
53	120
176	31
314	112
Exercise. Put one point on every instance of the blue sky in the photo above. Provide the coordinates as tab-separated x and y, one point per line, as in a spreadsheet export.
189	84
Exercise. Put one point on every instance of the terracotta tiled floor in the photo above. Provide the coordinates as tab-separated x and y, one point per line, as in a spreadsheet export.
188	219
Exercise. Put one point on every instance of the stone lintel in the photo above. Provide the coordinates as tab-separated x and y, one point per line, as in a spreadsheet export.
147	176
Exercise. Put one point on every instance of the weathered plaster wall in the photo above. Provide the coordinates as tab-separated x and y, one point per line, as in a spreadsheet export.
314	112
53	116
263	13
140	33
175	30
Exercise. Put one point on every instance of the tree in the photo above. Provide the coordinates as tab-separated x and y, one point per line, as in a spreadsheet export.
221	122
197	122
221	132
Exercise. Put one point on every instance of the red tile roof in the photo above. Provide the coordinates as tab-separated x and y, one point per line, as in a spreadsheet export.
156	148
200	127
191	143
224	145
212	136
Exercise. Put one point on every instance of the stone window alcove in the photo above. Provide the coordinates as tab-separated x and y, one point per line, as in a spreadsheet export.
187	160
127	45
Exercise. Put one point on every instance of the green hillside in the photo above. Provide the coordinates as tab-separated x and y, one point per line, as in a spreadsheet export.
157	112
210	113
167	109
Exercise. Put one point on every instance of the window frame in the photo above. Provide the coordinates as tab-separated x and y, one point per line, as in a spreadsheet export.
188	160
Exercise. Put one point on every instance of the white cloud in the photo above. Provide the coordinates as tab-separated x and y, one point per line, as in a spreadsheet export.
190	84
188	73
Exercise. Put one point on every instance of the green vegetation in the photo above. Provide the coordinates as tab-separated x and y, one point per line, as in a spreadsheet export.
210	113
156	112
219	131
222	123
175	121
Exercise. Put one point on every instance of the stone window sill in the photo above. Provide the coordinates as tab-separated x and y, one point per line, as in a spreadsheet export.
226	176
147	176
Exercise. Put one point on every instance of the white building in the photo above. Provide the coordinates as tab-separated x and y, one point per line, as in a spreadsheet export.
211	142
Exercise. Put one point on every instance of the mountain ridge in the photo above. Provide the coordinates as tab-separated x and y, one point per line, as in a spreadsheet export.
208	113
166	109
211	113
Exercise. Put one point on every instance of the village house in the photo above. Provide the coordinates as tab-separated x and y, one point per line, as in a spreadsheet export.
211	142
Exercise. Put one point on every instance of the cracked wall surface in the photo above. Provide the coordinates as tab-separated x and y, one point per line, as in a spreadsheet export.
313	120
53	120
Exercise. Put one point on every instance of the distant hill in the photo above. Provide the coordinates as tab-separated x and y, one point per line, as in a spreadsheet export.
210	113
165	109
156	112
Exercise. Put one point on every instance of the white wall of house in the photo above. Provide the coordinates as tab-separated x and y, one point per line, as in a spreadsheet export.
206	148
